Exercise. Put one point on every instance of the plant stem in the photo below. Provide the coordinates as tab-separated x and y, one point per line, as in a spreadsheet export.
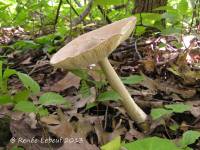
134	111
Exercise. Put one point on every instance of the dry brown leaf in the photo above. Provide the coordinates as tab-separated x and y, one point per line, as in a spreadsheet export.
68	81
167	88
195	107
149	65
26	61
50	120
66	131
105	137
132	133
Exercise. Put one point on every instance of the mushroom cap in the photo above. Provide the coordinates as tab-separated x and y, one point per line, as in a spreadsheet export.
93	46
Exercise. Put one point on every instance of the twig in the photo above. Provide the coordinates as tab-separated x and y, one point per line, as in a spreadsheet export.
71	6
136	50
106	116
81	17
78	3
57	15
104	14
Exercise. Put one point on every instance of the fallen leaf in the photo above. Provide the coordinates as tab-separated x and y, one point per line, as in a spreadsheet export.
68	81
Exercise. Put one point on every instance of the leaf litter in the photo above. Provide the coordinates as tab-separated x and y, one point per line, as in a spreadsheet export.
171	75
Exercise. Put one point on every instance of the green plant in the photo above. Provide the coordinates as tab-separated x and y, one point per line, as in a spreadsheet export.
20	100
157	113
105	96
189	137
154	143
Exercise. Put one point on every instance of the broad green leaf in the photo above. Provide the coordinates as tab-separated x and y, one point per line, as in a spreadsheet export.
17	148
26	45
47	39
113	145
189	137
178	108
21	17
52	98
108	96
140	30
50	49
133	79
183	7
149	18
152	143
42	111
21	96
29	83
159	112
8	72
4	99
90	105
25	106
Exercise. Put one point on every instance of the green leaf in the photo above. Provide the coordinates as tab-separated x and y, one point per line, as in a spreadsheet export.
29	83
17	148
113	145
25	106
8	72
21	96
52	98
189	137
174	127
133	79
178	108
140	30
183	6
47	39
4	99
90	105
43	112
159	112
171	31
152	143
108	95
25	45
21	17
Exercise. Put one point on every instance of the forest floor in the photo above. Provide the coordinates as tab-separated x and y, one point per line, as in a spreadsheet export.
171	75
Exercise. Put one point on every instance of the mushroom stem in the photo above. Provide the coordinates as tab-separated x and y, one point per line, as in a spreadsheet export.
134	111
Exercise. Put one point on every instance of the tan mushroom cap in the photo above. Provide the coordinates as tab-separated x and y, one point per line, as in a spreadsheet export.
93	46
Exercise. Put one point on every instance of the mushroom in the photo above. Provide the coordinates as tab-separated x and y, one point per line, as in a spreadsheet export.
94	47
